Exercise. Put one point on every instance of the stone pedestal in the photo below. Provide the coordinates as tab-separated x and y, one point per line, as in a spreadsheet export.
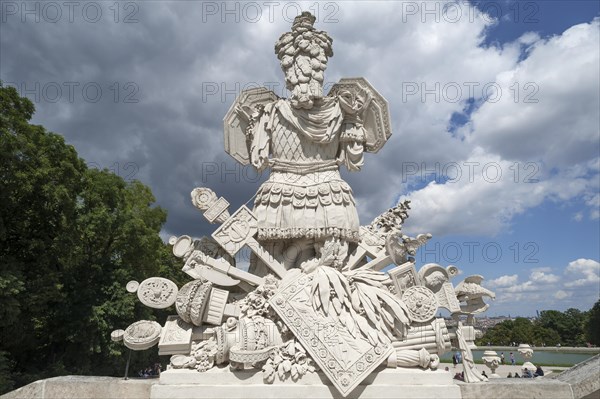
224	384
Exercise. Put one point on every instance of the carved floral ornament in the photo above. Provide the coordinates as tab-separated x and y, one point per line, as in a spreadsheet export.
318	293
157	292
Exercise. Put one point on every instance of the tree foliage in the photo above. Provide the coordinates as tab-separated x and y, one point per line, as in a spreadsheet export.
70	238
592	328
552	327
520	330
569	325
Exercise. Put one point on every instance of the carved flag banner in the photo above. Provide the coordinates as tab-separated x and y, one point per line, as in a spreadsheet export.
344	359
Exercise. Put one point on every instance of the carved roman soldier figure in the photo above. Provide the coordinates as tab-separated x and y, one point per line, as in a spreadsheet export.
305	209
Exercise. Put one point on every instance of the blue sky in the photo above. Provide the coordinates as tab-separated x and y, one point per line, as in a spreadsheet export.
548	235
547	17
528	102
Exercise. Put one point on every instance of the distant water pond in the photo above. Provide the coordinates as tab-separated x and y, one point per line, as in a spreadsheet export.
541	357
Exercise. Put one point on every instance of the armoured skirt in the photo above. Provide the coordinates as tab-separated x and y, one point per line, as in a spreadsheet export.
317	205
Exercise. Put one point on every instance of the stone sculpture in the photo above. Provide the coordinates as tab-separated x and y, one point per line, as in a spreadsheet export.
525	351
317	295
471	293
472	374
492	360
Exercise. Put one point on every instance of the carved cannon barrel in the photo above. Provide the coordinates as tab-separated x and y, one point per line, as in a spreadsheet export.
421	358
430	347
432	336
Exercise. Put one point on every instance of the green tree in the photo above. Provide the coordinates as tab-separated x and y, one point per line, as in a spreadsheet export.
70	238
569	325
592	327
544	336
500	334
6	381
522	330
39	178
118	241
571	328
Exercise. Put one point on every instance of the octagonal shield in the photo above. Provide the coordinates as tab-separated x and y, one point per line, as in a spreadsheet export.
237	120
376	122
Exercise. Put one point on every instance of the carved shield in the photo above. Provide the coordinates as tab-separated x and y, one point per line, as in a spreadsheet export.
236	231
376	122
345	360
237	119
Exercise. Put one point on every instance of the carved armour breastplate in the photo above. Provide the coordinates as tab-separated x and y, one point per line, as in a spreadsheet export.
290	145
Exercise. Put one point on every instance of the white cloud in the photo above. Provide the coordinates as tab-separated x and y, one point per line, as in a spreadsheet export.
540	276
587	269
176	128
488	194
593	201
552	141
578	286
503	281
585	266
563	71
529	38
544	269
560	294
528	286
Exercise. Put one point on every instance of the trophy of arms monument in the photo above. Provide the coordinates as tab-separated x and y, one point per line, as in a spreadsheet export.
316	310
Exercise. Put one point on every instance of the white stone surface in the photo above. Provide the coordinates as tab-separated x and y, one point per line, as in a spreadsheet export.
176	337
345	359
222	383
404	277
238	118
421	302
132	286
117	335
471	293
84	387
377	120
142	335
581	381
157	292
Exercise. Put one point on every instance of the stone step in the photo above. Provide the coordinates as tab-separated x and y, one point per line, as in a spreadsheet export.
223	383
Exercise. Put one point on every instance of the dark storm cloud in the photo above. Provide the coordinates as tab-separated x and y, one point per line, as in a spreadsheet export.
168	79
158	117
